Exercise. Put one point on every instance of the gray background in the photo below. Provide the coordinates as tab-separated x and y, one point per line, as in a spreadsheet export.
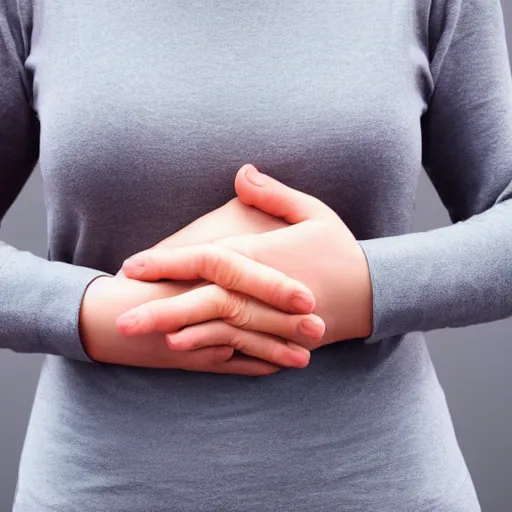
473	365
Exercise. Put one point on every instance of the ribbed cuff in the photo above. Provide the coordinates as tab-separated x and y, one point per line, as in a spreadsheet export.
448	277
40	304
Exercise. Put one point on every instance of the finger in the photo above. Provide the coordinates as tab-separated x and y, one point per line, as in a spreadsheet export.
154	352
273	197
171	314
212	302
220	360
202	357
244	365
228	269
256	344
198	359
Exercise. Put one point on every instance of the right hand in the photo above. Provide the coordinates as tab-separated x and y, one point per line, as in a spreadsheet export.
233	218
106	298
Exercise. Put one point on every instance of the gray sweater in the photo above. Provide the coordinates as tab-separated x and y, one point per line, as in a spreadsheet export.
140	113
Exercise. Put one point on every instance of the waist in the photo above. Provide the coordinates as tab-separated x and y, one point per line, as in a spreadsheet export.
190	439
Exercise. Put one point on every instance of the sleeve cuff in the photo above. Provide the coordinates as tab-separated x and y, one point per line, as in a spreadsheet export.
402	276
448	277
40	303
59	317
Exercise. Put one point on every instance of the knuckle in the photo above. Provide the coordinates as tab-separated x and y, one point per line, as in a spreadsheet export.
220	268
219	298
237	311
220	354
237	341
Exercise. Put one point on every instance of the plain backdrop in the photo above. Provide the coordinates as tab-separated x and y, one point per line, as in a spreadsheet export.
474	365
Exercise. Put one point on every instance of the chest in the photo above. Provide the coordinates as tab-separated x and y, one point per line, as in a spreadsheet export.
175	96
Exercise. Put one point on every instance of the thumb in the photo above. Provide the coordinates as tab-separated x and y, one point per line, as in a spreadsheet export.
273	197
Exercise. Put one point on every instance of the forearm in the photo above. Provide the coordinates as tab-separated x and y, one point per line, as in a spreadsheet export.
40	302
449	277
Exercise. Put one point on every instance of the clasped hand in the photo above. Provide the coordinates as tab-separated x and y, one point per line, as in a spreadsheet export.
299	276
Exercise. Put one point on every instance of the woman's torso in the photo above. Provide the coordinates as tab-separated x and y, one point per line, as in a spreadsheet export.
147	110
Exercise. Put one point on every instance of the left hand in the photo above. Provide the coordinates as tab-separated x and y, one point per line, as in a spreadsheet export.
317	249
252	327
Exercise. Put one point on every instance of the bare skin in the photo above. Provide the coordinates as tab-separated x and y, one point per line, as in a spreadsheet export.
248	301
315	247
108	297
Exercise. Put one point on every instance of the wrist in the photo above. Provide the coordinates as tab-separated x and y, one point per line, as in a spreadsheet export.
88	324
105	299
366	295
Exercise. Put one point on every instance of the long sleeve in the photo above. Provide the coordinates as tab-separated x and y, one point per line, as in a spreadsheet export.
461	274
39	300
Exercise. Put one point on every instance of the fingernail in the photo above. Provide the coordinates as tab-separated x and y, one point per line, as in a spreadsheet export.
313	327
254	176
302	302
128	321
135	264
297	348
